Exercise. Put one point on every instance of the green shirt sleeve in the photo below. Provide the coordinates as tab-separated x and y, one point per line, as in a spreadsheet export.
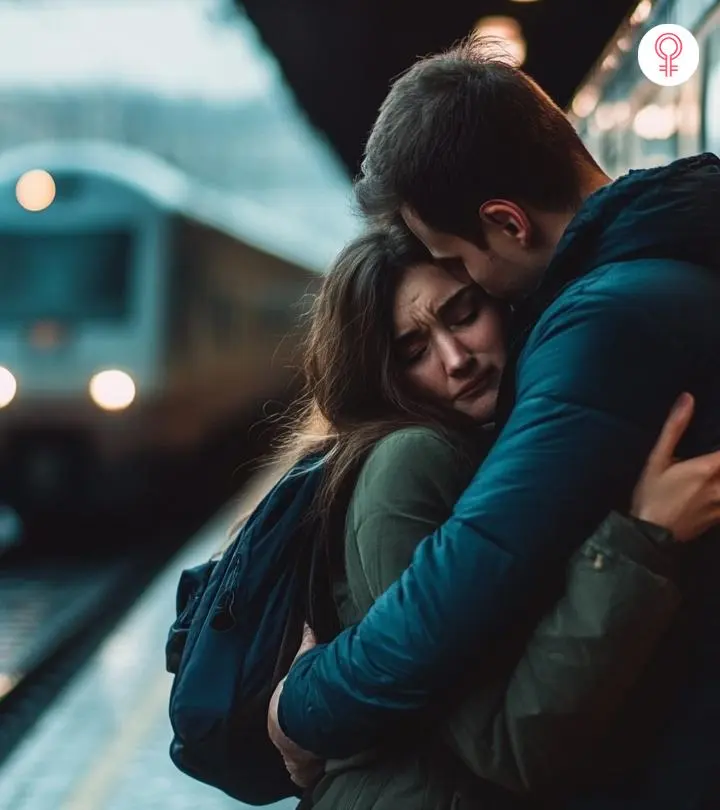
406	489
533	729
531	725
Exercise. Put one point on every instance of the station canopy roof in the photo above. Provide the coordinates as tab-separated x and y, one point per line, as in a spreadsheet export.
339	57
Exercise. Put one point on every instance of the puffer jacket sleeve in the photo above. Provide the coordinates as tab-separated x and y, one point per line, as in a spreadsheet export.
594	385
533	730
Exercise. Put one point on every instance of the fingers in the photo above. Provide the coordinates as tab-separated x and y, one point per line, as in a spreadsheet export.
707	467
304	774
663	453
307	643
303	766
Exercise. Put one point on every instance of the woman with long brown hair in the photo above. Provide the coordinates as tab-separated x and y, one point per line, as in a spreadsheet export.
403	364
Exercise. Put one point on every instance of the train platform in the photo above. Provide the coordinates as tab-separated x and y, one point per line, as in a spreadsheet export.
103	743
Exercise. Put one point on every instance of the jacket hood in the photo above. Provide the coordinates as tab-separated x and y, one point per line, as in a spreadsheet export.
670	212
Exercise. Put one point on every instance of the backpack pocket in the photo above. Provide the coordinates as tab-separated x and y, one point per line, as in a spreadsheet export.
191	587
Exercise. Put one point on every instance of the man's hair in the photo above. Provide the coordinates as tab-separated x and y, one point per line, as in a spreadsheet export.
463	127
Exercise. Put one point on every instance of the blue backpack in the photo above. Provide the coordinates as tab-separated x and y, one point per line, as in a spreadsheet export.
239	624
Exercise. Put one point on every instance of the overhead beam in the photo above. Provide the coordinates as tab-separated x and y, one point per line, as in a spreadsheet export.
341	57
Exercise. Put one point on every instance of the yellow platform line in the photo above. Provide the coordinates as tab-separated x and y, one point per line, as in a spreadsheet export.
103	773
105	770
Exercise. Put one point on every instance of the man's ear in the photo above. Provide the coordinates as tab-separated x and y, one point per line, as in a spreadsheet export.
507	217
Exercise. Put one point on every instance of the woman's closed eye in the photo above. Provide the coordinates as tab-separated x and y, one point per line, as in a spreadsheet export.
466	319
465	310
413	354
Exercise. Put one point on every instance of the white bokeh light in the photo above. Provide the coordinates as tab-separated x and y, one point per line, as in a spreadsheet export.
8	386
507	31
112	390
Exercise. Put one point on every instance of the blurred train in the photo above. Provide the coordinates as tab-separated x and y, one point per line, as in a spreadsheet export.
628	122
137	323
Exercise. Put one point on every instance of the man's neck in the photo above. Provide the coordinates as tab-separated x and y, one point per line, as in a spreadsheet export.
554	225
592	179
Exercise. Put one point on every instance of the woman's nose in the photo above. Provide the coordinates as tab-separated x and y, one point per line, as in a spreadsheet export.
456	356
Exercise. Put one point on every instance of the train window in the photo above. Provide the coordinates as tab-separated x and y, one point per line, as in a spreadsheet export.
68	277
68	186
690	12
711	100
655	126
610	155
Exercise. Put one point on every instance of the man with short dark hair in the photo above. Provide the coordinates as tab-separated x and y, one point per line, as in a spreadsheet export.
617	287
460	136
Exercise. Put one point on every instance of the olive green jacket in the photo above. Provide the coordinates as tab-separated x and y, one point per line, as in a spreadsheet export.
529	724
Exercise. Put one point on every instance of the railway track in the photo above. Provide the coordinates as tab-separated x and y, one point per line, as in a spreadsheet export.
53	615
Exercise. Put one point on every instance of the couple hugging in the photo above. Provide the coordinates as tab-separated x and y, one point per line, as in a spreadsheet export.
502	374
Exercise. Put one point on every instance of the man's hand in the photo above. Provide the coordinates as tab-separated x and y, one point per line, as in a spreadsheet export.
303	767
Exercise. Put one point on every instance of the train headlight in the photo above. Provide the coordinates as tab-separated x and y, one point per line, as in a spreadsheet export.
35	190
112	390
8	387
